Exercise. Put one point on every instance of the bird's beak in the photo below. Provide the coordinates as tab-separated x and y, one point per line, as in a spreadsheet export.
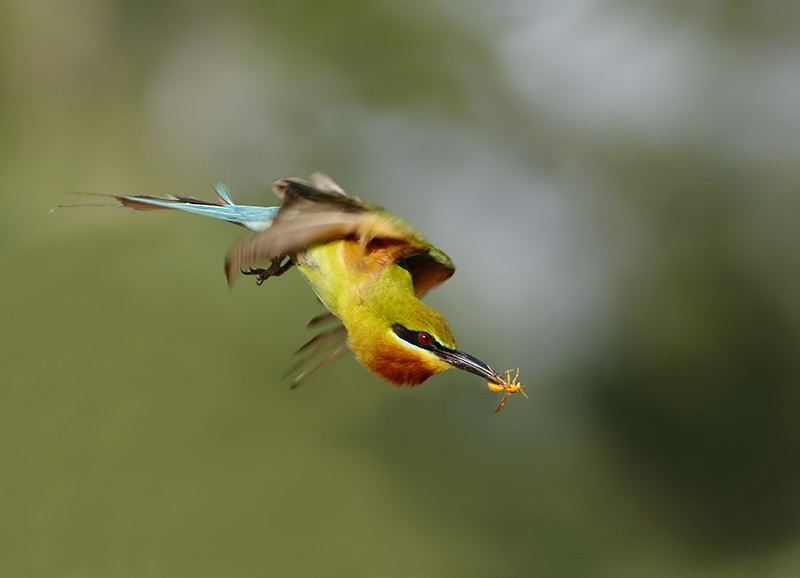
465	361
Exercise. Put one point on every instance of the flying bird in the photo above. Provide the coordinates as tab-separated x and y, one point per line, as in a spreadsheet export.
367	266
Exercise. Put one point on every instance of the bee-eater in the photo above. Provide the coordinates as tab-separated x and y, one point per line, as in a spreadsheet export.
368	267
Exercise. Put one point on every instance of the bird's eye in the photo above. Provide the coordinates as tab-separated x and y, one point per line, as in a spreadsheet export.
425	338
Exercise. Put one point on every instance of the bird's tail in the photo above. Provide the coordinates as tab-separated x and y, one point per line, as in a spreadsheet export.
248	216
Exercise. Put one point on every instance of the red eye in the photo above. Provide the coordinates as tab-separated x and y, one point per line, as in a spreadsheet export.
425	338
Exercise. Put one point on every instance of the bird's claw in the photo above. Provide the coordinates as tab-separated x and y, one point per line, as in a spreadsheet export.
263	274
276	269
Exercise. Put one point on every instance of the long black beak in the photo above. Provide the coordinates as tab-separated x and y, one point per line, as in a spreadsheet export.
465	361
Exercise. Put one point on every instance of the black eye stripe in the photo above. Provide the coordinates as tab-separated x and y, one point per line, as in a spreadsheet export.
413	337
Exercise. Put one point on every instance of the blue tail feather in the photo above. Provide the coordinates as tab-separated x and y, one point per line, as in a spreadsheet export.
248	216
222	193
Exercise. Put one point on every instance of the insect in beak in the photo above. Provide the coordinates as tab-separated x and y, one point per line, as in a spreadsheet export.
508	385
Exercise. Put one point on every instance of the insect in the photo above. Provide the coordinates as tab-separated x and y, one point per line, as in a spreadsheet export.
508	385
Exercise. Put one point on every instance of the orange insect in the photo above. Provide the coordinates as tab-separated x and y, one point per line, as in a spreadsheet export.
508	385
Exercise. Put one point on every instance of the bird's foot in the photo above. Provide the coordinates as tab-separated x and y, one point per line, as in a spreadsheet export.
276	269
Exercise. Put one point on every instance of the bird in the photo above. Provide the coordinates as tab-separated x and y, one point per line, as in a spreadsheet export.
368	267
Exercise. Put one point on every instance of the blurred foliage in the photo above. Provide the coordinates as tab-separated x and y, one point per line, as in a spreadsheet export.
616	182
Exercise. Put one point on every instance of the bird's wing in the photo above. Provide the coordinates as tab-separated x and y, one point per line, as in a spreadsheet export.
331	343
428	269
310	215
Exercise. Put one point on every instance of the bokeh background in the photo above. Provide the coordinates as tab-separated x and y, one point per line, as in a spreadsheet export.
617	182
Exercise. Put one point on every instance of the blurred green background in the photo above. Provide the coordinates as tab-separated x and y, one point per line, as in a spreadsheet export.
617	182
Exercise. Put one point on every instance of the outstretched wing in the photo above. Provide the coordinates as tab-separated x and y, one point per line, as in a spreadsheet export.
310	214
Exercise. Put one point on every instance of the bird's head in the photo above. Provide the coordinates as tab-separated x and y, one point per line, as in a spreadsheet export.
435	354
412	345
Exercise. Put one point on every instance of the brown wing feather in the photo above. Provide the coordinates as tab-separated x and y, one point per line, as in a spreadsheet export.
322	212
283	239
428	276
302	222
